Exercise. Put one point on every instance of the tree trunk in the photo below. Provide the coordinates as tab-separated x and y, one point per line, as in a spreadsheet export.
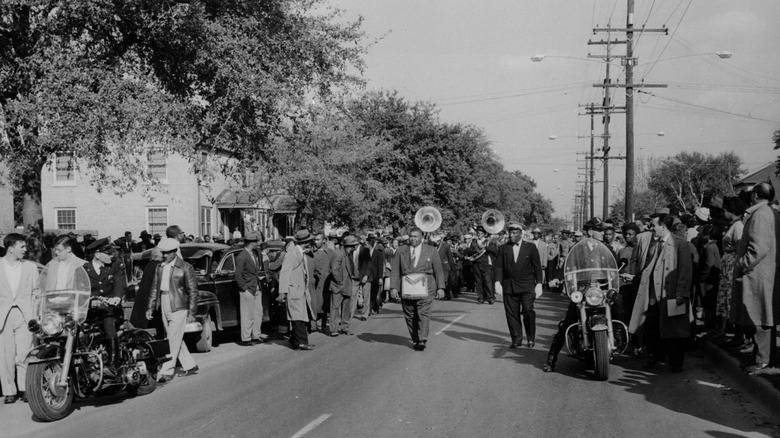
32	211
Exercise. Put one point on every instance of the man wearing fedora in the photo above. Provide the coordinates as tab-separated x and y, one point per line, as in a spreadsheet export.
175	292
250	276
295	285
418	259
376	254
541	245
519	277
345	284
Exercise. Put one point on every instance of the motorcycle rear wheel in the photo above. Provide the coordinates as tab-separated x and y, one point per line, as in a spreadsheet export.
601	355
44	402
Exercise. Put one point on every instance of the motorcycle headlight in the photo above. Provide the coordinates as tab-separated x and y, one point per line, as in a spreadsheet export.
594	296
52	324
576	297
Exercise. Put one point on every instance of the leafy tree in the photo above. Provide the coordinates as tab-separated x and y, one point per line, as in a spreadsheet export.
104	80
686	178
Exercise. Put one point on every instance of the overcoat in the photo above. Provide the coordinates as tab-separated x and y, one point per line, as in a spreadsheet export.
672	278
756	268
343	271
295	280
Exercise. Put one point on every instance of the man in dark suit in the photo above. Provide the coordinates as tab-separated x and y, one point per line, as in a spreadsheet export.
447	264
249	278
362	259
377	268
519	278
411	264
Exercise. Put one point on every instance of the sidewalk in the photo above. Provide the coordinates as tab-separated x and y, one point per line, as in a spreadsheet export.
765	387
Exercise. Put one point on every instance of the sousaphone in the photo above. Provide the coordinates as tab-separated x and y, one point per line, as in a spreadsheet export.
493	221
428	219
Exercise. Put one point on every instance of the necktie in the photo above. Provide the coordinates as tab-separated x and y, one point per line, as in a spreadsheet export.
414	257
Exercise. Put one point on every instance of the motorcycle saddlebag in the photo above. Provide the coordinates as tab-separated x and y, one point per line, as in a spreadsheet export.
160	348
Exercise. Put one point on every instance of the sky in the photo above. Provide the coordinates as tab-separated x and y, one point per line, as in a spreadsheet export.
472	59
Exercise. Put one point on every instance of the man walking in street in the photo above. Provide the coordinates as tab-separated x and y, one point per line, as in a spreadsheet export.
18	284
343	287
756	276
320	299
415	266
541	245
662	308
376	254
362	259
519	279
249	278
295	285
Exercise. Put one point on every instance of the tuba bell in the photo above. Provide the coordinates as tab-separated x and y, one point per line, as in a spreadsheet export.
428	219
493	221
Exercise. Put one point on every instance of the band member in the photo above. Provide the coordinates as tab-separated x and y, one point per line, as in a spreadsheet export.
519	278
482	253
417	258
447	264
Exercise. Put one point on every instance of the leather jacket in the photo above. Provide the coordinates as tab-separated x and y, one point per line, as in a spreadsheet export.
183	289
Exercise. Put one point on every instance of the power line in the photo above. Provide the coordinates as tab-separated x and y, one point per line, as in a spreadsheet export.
671	37
711	109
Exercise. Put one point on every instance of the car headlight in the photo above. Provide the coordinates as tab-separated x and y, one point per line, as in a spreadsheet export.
576	297
52	324
594	296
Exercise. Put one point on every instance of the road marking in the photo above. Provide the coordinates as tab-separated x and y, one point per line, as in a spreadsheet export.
714	385
449	325
309	427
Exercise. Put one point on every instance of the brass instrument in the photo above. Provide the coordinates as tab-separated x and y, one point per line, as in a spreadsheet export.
428	219
493	222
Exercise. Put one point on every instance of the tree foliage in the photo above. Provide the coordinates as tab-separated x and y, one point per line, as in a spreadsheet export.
104	80
686	178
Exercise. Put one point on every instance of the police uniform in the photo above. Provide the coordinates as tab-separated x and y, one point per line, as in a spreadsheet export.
108	282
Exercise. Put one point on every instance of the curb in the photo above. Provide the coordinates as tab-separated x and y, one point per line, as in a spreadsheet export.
757	387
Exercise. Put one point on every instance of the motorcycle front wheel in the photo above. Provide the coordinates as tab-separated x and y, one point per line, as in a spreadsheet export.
46	401
601	355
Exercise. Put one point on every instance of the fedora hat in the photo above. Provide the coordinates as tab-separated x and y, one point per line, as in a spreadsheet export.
303	236
252	236
350	240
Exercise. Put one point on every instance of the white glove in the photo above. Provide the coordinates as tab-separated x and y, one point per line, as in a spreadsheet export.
538	290
499	289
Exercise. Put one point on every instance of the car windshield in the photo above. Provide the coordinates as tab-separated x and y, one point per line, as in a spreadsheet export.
202	259
590	261
63	293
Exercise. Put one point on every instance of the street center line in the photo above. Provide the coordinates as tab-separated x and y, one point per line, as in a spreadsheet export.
449	325
309	427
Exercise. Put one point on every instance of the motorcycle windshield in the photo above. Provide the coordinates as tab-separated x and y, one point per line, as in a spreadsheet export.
590	261
64	292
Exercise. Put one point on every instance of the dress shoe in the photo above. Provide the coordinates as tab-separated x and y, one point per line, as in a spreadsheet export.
246	343
531	344
333	335
747	347
23	396
10	399
257	341
515	344
363	318
420	346
491	302
165	378
479	301
757	369
549	367
305	347
189	372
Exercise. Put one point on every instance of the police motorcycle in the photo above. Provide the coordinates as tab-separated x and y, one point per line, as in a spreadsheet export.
591	278
69	360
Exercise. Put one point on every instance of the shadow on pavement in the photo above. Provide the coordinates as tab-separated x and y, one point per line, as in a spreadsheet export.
385	339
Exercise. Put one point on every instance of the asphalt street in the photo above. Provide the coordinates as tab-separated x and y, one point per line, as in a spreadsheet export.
468	383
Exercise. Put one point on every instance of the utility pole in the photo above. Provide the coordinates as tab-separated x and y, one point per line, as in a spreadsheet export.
629	62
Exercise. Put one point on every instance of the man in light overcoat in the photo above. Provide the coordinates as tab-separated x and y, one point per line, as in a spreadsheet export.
295	285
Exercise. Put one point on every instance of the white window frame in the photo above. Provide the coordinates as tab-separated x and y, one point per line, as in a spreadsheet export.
149	224
57	217
208	229
64	183
150	151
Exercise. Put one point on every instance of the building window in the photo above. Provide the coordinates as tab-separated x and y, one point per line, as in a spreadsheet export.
157	164
158	220
65	167
66	219
205	221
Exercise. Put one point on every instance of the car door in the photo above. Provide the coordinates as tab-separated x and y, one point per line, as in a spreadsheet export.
226	289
